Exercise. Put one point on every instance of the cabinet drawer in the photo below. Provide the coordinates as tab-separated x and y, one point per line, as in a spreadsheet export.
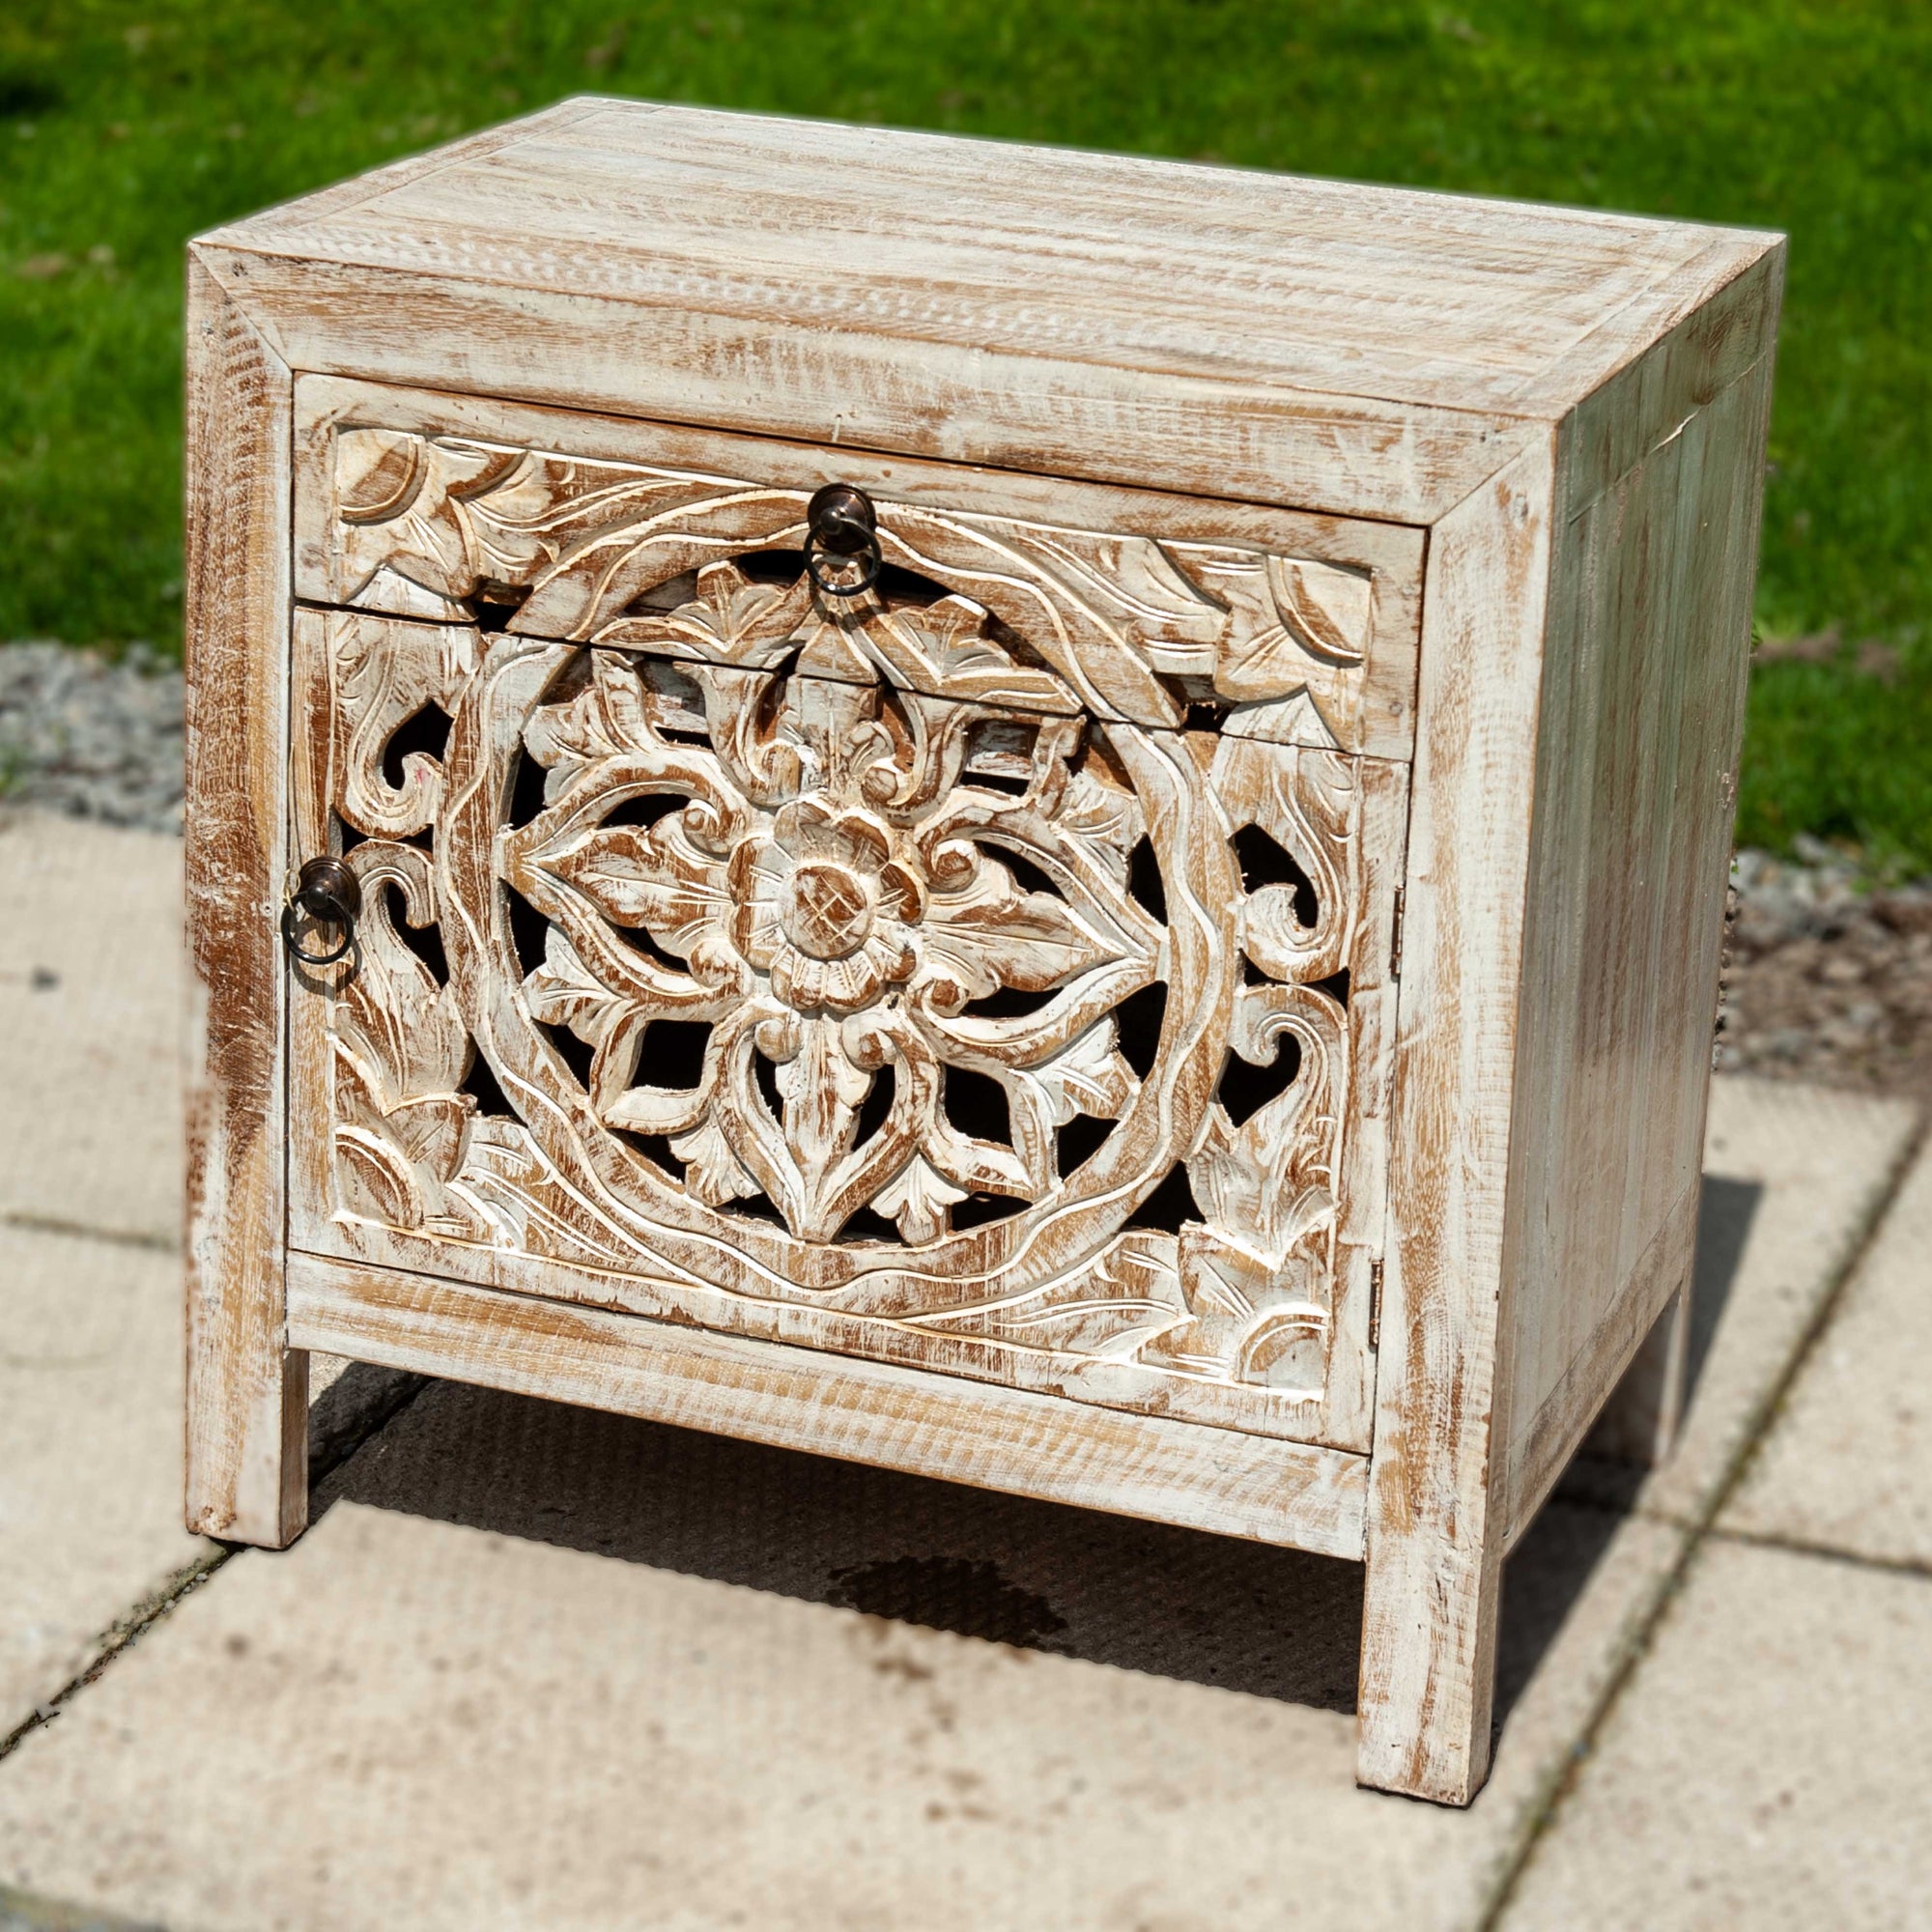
984	971
1134	605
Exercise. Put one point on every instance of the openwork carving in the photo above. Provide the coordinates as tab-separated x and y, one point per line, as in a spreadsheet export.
831	884
727	964
450	527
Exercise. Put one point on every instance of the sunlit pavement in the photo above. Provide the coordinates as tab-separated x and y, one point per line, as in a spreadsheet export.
537	1667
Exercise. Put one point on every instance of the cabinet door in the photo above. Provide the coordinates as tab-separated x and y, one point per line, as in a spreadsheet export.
963	973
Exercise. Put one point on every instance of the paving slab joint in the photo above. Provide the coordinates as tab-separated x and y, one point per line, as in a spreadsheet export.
1823	1552
120	1238
23	1911
1545	1808
116	1638
358	1406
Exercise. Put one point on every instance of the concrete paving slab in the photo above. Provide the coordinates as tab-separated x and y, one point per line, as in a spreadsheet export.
1793	1175
537	1667
1766	1767
90	1452
1848	1463
90	1026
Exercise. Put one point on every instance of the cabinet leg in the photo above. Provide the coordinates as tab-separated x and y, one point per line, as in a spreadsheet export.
1429	1667
248	1417
1640	1421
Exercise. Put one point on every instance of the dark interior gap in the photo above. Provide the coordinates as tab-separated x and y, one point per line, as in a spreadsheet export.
1138	1019
1170	1205
1265	862
1144	881
425	730
1245	1088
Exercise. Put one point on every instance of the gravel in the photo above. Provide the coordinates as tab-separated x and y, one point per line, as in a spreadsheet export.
1827	980
93	736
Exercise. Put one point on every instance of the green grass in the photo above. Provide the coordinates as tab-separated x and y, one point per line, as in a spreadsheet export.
126	127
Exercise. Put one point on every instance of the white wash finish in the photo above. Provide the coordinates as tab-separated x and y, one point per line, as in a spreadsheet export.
247	1420
1528	440
997	1439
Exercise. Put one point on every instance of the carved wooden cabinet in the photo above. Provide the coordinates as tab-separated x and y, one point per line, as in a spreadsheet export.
1054	820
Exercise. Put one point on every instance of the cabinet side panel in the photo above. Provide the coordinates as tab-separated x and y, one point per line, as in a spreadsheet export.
1637	758
247	1473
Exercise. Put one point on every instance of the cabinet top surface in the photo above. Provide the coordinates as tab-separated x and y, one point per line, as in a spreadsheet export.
1168	269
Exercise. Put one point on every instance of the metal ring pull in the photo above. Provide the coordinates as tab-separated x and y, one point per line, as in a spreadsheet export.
327	893
842	524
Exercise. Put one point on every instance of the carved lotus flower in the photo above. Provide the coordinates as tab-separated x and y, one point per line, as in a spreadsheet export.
829	874
826	908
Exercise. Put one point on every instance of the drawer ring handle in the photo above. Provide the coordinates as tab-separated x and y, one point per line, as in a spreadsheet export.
327	893
842	524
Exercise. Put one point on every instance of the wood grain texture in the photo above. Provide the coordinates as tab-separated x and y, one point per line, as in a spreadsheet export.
1319	618
1639	1420
1028	413
1158	267
1640	1313
1638	757
247	1478
1642	403
1302	629
1443	1376
1302	1497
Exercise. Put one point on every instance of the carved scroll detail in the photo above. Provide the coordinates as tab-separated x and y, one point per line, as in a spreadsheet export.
442	526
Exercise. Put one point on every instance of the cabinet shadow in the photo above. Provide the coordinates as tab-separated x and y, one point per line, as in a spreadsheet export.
1138	1596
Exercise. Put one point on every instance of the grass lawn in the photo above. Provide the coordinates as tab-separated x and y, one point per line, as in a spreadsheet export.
124	127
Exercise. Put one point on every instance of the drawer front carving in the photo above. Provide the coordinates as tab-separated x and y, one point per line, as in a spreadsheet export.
859	972
1291	629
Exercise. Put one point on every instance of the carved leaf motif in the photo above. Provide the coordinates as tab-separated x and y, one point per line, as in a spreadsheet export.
401	528
942	646
1326	609
713	1171
1102	817
377	473
809	1163
994	935
383	676
425	524
918	1200
608	718
1090	1077
564	992
1250	1317
400	1054
646	876
733	619
1269	1178
1313	816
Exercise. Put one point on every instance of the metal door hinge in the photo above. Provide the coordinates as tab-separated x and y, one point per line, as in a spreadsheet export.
1375	1304
1395	934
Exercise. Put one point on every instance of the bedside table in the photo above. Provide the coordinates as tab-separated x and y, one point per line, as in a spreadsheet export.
1055	820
